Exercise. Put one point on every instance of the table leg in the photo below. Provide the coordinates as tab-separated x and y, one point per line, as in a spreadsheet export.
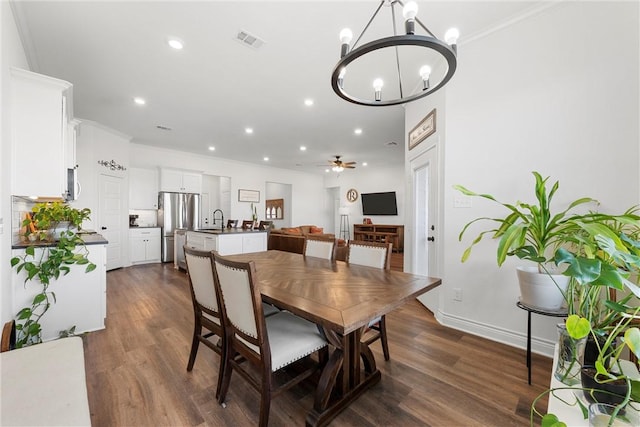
333	395
529	345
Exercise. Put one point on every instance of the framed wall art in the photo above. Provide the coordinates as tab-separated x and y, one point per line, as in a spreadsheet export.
423	130
248	196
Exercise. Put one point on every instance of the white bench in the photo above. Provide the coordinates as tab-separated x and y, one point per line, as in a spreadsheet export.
44	385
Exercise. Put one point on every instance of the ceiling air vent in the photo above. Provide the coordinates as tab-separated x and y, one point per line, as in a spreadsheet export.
163	127
248	39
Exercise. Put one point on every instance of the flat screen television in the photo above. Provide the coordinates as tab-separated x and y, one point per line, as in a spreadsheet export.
379	203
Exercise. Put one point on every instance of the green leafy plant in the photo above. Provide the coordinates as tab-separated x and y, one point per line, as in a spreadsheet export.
528	231
604	255
43	264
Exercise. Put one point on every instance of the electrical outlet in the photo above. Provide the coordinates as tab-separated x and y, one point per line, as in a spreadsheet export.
462	201
457	294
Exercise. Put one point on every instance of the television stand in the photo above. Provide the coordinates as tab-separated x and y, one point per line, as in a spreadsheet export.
380	233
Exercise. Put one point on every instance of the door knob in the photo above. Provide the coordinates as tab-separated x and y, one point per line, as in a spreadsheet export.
104	228
431	239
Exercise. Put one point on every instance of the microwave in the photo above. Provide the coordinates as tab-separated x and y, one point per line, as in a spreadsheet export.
73	186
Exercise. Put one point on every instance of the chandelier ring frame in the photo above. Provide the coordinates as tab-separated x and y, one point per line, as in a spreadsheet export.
427	42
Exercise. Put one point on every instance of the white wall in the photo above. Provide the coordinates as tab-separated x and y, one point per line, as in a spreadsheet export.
306	203
367	179
275	190
556	93
12	54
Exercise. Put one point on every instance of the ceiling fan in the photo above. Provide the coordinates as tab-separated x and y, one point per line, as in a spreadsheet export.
338	165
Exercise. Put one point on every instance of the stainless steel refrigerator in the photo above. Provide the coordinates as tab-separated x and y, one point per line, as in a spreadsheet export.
176	211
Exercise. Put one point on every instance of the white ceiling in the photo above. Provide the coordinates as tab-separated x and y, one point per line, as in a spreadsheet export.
207	93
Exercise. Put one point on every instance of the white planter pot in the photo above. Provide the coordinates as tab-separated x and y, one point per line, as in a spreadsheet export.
541	290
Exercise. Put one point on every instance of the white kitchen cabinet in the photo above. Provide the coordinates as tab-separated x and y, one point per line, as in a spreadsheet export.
41	112
254	242
228	243
195	240
180	181
144	245
81	298
143	188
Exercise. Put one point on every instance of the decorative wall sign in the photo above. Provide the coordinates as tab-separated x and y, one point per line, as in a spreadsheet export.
423	130
274	209
352	195
112	165
248	196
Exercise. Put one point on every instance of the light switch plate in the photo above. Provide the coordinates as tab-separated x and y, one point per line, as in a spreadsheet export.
462	201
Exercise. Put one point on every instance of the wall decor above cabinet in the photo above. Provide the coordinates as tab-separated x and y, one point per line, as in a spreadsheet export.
42	134
112	165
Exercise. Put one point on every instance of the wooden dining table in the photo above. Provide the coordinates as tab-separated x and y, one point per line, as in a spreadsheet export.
342	299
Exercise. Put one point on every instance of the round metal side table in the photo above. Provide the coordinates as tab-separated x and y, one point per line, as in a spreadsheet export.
562	312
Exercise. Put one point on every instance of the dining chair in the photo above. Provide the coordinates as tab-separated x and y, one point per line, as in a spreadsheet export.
319	247
377	255
268	343
232	223
8	336
205	308
247	224
265	225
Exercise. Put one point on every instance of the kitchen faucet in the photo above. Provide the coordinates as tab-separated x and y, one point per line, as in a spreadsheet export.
221	218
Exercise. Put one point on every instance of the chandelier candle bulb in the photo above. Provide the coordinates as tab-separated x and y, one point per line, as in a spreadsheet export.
345	38
425	72
377	86
451	38
409	11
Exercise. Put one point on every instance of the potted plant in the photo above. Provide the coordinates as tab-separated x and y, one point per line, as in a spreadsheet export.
603	260
531	232
45	262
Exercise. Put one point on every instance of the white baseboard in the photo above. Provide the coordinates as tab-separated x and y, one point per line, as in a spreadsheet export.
505	336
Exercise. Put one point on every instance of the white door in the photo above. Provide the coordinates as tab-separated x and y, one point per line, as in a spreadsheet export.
425	241
111	218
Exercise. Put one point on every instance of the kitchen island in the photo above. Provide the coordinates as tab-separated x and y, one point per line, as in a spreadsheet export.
81	298
227	241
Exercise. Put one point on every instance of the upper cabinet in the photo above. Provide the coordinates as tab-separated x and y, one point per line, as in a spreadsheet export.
180	181
42	134
143	188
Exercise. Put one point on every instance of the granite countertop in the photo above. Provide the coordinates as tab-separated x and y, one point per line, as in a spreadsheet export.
89	239
226	231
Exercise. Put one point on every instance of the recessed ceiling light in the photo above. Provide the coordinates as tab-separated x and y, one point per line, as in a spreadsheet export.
303	148
357	131
266	159
175	43
139	101
308	102
364	164
212	148
248	130
326	170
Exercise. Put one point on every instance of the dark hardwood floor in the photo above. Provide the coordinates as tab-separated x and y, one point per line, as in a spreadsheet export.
136	369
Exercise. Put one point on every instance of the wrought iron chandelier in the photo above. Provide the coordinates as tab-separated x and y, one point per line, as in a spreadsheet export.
425	54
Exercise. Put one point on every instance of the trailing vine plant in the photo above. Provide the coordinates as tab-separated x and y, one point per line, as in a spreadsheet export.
43	264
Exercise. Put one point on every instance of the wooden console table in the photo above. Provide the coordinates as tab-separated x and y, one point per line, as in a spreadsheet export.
380	233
